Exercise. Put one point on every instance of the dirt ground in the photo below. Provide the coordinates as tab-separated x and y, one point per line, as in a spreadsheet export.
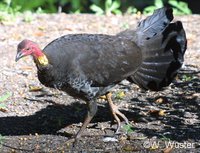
45	120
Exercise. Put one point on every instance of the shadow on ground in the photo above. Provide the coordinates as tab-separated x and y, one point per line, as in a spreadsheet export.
55	117
51	119
177	127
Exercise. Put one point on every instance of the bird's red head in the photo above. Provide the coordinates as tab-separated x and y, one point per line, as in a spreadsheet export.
28	47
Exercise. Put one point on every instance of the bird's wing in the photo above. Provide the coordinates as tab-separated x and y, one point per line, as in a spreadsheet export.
102	59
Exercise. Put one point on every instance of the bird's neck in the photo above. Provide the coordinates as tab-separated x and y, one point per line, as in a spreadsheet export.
40	58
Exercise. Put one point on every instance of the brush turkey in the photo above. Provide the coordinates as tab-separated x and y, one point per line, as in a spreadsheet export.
87	66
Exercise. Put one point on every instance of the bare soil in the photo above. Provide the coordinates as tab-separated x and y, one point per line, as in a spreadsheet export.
45	120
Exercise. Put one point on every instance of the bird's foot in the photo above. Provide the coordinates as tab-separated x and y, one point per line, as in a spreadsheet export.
76	139
92	109
115	112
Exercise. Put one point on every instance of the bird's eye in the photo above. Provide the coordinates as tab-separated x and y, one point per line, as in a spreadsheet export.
27	48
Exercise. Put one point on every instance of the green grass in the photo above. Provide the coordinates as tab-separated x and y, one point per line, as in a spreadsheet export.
1	140
9	9
179	7
187	77
3	98
128	128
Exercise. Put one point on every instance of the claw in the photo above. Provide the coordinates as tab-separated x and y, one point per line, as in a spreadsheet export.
115	112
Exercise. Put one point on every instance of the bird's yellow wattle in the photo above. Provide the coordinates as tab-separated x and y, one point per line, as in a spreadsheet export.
43	60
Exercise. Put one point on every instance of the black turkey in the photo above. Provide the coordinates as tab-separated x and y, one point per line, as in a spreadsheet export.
87	66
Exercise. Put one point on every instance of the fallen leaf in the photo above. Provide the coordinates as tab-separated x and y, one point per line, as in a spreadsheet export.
123	138
68	29
103	97
3	110
26	68
39	34
162	113
35	88
160	100
167	150
157	112
42	28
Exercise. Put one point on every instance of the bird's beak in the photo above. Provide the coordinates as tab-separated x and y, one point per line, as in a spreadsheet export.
19	55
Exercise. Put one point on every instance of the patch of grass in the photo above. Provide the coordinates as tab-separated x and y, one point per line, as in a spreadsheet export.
8	12
164	138
120	95
186	78
125	26
179	7
28	16
92	6
2	99
150	9
128	128
110	7
5	97
1	140
131	10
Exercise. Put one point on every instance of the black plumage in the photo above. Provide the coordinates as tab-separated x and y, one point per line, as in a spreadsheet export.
87	66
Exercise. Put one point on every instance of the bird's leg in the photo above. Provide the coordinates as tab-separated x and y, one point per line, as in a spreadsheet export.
115	112
92	109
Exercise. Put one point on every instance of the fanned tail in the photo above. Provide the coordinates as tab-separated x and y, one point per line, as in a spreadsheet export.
163	45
